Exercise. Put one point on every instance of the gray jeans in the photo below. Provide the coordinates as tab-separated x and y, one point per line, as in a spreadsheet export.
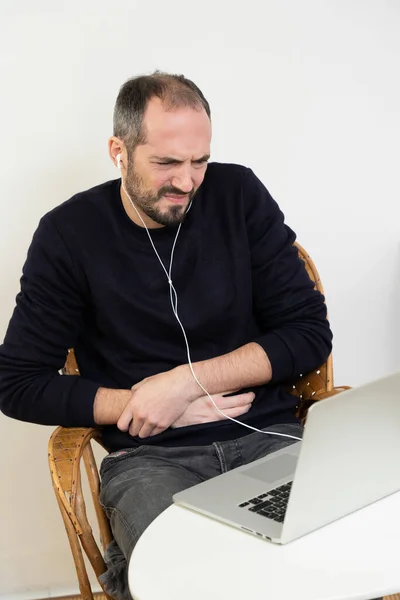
138	484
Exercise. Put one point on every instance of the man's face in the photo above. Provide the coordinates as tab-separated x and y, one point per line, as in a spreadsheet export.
164	173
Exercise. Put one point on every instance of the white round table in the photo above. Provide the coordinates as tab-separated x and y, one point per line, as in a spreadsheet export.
186	556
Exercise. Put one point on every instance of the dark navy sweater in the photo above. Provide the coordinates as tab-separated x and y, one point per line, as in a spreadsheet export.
91	281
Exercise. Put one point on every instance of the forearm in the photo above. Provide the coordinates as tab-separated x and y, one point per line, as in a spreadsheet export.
109	405
39	396
245	367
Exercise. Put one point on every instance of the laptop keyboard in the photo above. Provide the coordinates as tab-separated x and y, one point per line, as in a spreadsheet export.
272	504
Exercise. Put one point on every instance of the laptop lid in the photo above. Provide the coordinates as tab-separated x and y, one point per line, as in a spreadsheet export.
350	456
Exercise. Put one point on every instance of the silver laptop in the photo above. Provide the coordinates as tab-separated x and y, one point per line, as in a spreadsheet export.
349	458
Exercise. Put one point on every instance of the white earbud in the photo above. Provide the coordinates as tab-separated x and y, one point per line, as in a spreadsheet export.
118	161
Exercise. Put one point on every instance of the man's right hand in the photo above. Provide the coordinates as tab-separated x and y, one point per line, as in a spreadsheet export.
202	410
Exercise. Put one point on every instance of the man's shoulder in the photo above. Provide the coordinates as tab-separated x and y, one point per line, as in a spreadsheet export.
230	179
85	204
225	172
236	184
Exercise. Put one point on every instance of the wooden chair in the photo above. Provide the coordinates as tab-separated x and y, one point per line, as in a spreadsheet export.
68	446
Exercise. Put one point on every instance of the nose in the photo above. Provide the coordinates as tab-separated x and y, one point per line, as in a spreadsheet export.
182	178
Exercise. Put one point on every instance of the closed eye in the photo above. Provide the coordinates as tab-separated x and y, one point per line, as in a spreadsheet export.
174	162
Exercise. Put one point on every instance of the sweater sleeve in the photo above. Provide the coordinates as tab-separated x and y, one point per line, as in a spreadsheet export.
45	323
291	315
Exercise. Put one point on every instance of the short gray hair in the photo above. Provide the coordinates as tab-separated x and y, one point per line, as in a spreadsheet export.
173	90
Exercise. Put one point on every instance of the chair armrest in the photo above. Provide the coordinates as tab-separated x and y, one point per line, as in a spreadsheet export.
66	447
305	404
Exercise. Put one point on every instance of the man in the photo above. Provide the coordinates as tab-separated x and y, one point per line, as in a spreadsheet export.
178	266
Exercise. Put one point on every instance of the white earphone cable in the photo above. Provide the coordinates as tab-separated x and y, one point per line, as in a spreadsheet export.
174	305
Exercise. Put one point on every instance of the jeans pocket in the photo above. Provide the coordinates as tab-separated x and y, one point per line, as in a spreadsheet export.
116	457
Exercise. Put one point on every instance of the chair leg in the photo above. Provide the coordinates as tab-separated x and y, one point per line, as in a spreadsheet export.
84	583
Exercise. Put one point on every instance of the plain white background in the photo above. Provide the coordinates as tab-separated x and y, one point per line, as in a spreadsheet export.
306	93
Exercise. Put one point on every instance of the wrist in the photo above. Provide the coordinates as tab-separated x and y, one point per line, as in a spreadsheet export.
190	387
109	404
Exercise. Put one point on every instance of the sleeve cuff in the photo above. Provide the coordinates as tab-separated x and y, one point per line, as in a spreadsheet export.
279	356
80	410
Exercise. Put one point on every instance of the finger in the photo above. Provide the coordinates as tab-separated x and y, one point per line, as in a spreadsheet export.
125	419
146	430
233	413
156	431
216	395
242	399
135	426
234	401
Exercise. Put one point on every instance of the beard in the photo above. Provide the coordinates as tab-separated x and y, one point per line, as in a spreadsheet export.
148	201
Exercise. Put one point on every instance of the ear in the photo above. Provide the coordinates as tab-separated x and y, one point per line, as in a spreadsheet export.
117	147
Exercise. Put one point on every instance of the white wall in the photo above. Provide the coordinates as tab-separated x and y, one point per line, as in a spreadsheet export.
306	93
